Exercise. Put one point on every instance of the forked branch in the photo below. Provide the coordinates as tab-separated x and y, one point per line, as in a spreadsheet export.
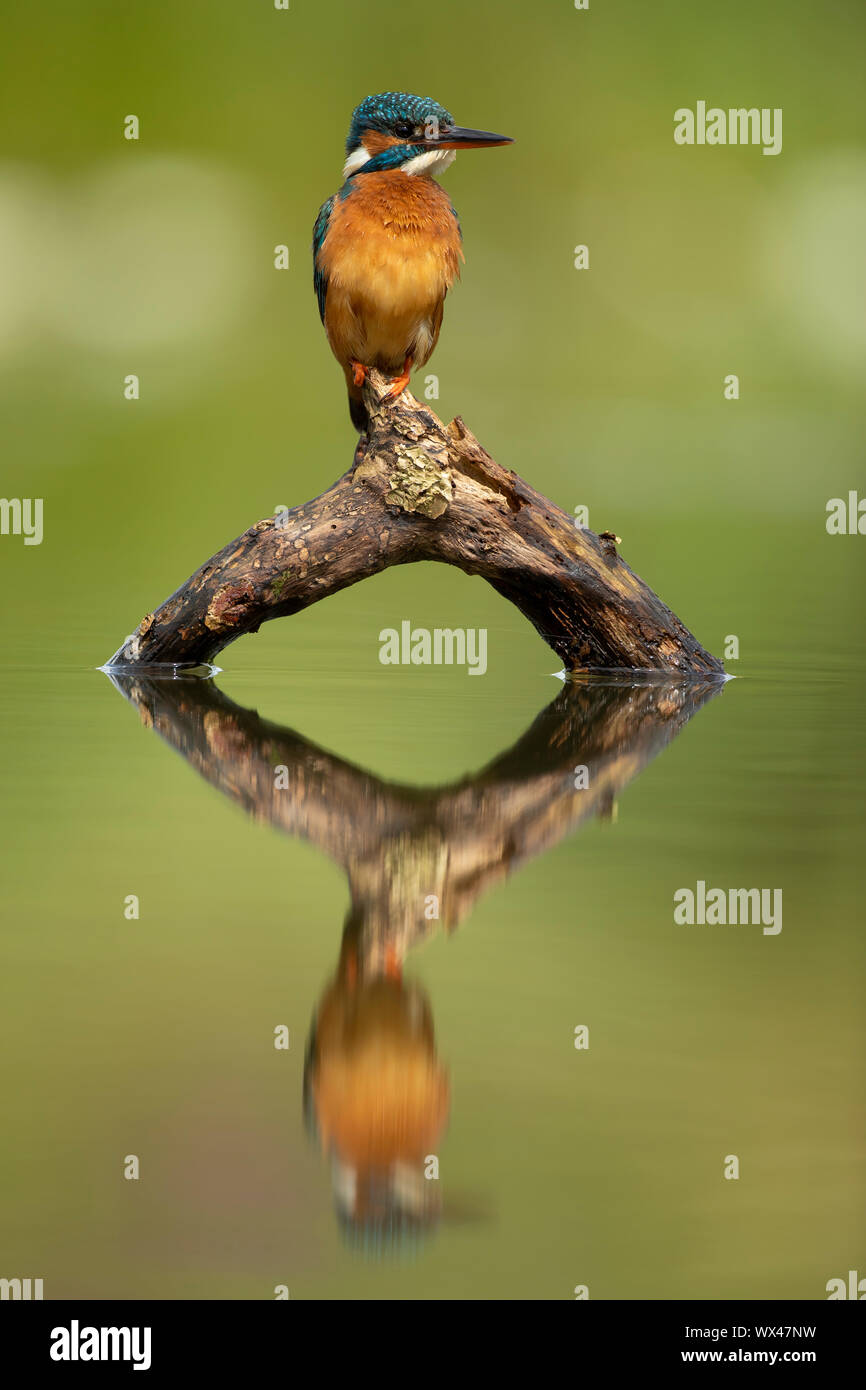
422	490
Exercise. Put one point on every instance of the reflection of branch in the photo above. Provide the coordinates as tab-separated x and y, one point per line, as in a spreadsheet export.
376	1093
399	845
421	490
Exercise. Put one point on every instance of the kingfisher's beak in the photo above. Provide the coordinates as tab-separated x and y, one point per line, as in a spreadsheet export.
458	137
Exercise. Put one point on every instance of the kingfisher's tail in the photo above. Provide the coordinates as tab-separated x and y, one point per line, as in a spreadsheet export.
357	408
358	411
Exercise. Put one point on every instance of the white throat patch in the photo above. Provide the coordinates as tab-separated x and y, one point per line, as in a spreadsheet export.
430	162
357	159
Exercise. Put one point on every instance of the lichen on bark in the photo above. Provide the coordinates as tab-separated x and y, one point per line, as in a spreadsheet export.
417	482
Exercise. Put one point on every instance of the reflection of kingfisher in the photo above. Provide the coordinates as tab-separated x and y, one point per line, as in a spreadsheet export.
376	1097
386	248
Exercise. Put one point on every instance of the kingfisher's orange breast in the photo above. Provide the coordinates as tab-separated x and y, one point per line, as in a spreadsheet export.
391	252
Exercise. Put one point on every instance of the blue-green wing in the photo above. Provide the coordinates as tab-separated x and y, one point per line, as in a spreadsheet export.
320	231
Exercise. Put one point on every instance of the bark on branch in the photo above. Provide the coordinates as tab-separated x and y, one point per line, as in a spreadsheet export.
422	490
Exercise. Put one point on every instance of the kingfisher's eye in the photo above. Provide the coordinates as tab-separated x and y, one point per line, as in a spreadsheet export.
403	129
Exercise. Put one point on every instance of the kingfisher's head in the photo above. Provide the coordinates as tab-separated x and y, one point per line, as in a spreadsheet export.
397	131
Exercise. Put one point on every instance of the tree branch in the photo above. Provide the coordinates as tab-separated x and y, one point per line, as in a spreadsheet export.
421	490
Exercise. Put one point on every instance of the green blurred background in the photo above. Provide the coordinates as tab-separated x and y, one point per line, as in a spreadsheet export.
604	388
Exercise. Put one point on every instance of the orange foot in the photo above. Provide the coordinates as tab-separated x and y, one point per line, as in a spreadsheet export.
399	384
359	372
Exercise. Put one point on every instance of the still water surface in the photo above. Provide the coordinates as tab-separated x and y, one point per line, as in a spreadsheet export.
290	841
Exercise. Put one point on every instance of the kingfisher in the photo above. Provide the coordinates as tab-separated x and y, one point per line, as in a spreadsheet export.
387	247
